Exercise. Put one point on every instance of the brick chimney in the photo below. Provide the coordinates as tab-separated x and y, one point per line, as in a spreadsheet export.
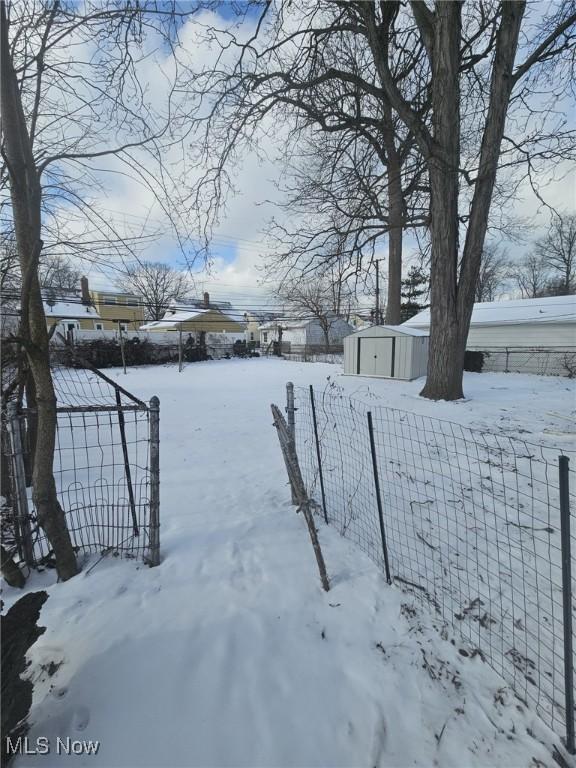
85	291
206	300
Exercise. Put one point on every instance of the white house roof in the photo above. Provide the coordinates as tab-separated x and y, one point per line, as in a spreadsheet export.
396	328
171	319
551	309
292	323
70	310
286	324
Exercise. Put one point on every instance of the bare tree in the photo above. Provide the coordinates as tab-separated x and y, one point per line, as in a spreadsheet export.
494	270
557	250
157	283
471	52
446	76
59	275
317	298
319	82
531	275
53	147
338	192
9	284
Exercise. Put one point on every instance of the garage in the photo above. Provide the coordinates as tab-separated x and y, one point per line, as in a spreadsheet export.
389	351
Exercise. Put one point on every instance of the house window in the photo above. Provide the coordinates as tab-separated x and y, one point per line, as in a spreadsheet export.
71	325
124	327
99	326
251	337
110	300
265	335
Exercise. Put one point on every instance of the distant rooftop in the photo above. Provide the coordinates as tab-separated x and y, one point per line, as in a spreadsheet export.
551	309
69	309
172	318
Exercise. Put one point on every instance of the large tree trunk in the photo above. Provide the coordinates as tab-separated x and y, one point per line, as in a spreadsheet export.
395	226
452	299
326	332
446	354
393	301
500	90
26	195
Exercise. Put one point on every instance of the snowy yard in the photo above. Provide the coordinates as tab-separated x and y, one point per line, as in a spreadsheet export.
229	653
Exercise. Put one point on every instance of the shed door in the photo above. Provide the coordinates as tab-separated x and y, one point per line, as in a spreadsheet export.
375	356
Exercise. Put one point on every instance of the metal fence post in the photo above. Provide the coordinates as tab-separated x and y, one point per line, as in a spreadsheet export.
563	467
122	425
23	530
378	497
318	454
154	553
291	425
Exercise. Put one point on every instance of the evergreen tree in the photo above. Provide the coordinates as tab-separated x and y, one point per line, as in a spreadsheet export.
415	289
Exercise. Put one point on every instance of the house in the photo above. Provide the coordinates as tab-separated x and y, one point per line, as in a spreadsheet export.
522	335
88	310
305	334
361	319
196	317
115	308
70	314
254	320
388	351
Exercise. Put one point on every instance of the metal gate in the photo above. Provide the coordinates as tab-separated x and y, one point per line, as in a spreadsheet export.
106	468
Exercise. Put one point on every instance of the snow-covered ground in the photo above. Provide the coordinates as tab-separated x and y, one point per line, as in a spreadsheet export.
229	653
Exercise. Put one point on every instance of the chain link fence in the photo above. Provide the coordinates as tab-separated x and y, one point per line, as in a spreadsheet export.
535	360
468	521
105	466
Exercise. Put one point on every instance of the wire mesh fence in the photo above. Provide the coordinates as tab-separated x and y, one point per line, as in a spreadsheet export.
105	468
468	521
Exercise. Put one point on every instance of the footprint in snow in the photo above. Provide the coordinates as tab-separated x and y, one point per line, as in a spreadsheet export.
80	719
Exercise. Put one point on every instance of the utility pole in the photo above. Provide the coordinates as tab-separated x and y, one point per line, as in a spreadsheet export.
378	313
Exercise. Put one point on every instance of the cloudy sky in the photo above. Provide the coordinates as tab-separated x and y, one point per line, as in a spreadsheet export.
239	242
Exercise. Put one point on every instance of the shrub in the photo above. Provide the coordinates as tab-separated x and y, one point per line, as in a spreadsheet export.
473	361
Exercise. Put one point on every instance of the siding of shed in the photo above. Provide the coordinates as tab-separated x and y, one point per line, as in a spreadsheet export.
350	350
403	357
419	357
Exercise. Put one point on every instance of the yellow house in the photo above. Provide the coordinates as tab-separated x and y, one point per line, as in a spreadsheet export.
198	317
195	320
115	309
95	310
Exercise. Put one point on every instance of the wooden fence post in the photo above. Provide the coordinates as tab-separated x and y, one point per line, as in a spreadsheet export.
122	350
293	468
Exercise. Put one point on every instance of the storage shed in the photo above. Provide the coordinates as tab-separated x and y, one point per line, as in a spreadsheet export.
390	351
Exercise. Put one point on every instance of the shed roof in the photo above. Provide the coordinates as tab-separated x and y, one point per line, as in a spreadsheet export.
372	330
551	309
